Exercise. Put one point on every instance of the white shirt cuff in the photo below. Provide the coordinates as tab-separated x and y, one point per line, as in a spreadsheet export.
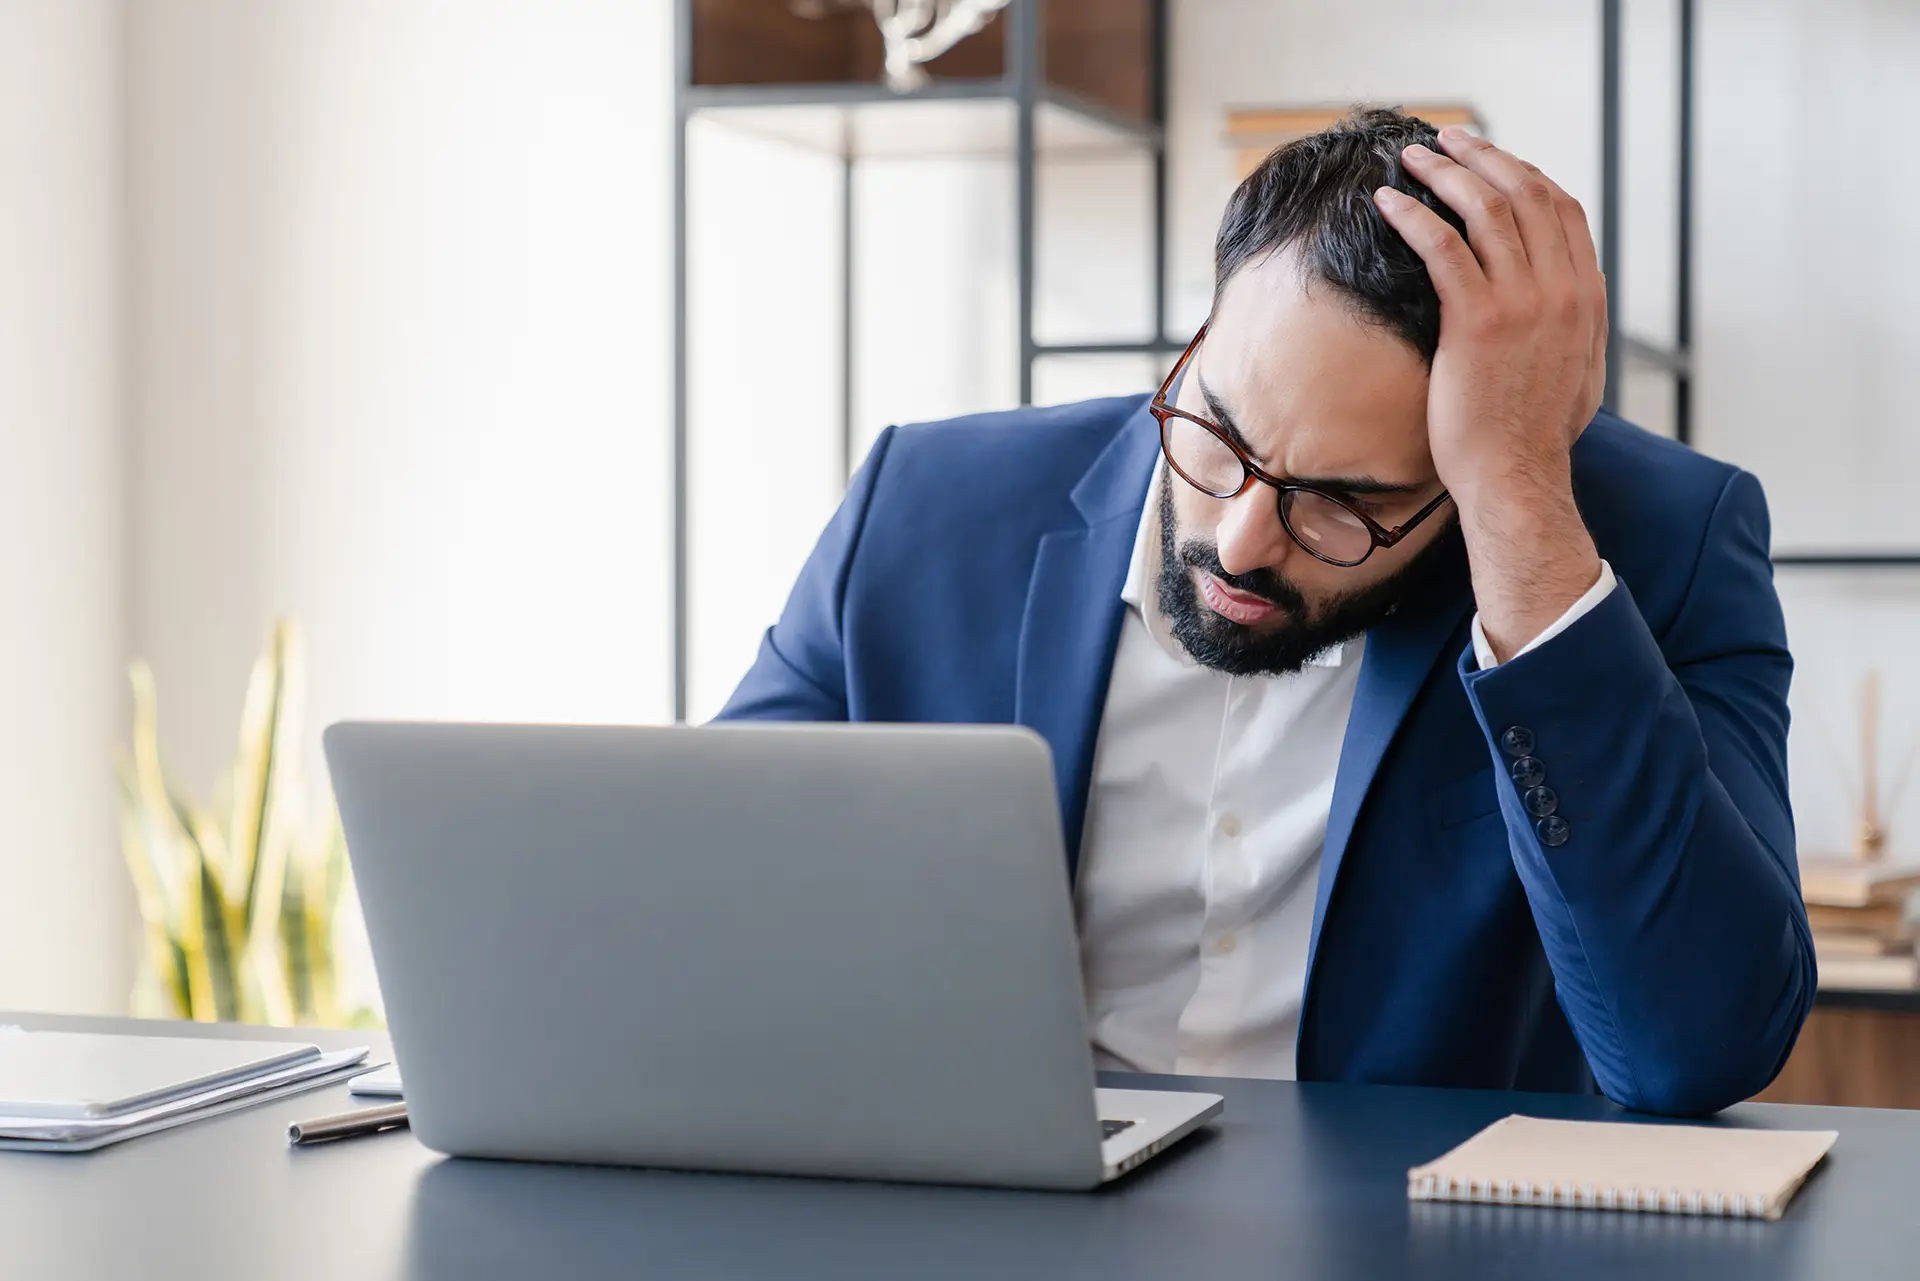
1483	652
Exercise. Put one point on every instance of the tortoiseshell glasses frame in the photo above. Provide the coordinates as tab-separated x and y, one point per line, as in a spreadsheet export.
1326	527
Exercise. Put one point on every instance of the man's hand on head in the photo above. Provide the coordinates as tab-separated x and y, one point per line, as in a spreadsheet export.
1518	373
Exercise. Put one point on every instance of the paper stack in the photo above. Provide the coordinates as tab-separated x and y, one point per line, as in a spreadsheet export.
77	1091
1858	911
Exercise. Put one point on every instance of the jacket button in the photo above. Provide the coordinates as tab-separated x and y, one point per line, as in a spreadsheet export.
1541	801
1553	830
1529	771
1517	741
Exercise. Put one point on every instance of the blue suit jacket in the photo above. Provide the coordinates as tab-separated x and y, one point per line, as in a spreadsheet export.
973	574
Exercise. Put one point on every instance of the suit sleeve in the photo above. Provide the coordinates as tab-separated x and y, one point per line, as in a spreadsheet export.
800	673
1671	912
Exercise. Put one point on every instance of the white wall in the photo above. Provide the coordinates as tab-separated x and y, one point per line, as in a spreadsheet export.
763	388
1530	67
392	279
935	335
65	918
399	357
1807	333
1808	326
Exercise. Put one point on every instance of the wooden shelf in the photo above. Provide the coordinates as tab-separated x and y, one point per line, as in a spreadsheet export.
1093	52
737	42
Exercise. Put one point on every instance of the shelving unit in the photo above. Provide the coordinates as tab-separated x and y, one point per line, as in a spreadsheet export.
1676	361
1056	77
1044	76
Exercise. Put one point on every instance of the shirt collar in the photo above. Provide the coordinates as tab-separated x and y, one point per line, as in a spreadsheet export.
1141	590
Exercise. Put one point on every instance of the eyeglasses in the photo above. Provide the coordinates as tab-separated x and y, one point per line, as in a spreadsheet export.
1204	456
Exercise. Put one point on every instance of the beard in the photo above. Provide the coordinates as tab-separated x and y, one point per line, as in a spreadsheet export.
1304	631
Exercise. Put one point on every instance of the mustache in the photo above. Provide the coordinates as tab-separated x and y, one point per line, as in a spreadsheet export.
1202	554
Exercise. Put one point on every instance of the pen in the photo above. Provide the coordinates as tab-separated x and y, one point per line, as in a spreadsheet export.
348	1125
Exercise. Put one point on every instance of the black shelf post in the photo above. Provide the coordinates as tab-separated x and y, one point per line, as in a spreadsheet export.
1610	191
1159	36
682	79
1023	77
1847	560
1154	138
1683	237
846	311
1676	362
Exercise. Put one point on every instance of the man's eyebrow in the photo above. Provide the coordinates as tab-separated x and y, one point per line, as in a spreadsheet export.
1358	485
1355	485
1222	416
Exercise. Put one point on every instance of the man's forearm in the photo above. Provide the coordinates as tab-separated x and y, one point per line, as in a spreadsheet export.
1531	555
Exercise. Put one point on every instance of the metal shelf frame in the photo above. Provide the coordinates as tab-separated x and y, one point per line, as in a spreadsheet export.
1023	86
1676	361
1847	560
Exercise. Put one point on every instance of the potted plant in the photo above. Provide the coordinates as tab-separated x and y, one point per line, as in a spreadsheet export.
240	899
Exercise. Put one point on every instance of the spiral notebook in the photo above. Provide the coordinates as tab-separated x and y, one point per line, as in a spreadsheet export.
1616	1165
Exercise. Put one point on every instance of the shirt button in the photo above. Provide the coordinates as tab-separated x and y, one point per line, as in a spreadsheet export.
1225	944
1541	801
1230	827
1529	771
1517	741
1553	830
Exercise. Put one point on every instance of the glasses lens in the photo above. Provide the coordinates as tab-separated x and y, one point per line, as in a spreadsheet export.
1324	527
1202	457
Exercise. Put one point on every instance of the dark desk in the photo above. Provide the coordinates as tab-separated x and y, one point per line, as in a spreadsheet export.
1298	1181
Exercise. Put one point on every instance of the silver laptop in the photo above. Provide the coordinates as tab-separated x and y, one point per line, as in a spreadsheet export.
796	949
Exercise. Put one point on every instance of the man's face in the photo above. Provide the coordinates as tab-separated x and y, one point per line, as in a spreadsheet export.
1318	395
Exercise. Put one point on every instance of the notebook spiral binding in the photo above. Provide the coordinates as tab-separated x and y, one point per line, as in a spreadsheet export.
1587	1197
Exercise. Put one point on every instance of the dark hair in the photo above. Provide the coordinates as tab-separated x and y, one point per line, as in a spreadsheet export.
1317	192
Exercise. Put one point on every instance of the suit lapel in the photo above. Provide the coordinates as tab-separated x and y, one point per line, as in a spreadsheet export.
1071	623
1400	656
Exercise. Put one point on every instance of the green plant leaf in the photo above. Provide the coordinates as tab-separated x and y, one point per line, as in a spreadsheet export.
241	902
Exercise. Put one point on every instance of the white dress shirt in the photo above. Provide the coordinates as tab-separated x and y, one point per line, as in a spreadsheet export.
1207	811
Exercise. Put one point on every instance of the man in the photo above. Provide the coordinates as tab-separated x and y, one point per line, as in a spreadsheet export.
1412	721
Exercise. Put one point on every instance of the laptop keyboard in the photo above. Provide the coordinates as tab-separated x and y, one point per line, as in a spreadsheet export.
1110	1128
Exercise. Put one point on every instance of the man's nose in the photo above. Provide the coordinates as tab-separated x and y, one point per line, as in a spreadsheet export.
1250	535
